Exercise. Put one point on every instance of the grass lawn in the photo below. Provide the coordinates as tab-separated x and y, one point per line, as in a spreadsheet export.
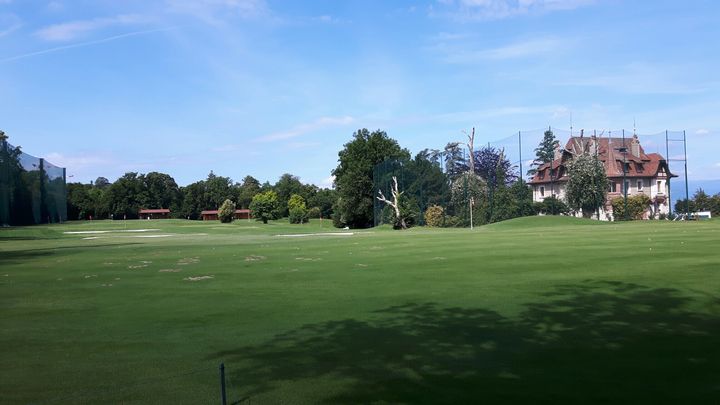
534	310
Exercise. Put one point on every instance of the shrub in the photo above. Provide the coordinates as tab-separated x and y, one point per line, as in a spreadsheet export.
313	212
298	213
226	211
434	216
554	206
453	222
264	206
637	205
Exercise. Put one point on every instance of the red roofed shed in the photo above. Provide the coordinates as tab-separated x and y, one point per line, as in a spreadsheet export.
160	213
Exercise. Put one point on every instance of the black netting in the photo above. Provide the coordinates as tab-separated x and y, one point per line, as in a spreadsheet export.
32	190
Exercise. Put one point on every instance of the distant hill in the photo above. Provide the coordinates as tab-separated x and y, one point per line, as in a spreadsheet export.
677	191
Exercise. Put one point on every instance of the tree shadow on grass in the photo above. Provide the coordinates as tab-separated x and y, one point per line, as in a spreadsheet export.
598	342
23	255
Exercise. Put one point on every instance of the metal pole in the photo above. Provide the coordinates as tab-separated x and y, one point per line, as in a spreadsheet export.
520	150
223	396
667	176
471	214
625	185
687	192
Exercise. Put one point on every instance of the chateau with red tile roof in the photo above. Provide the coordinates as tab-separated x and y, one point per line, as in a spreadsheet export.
645	173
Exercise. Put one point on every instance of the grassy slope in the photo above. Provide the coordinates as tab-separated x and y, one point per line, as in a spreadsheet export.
555	308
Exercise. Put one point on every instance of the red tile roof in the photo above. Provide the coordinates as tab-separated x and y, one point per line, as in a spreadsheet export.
608	151
155	211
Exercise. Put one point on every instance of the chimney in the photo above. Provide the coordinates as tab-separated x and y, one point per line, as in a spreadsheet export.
593	145
635	146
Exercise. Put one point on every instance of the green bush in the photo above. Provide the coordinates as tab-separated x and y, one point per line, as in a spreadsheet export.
637	205
314	212
453	222
264	206
298	213
434	216
226	212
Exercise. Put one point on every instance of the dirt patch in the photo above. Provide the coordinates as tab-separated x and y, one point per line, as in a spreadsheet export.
302	235
90	275
254	258
169	271
361	265
136	266
188	260
438	258
106	285
198	278
309	259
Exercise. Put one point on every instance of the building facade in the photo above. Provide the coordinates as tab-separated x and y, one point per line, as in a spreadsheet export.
626	164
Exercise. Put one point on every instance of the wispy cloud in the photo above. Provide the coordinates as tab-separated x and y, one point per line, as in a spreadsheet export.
702	131
636	78
466	52
69	31
8	23
82	44
214	11
301	129
498	9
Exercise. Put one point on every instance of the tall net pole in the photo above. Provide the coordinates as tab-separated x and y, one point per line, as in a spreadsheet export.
687	192
667	177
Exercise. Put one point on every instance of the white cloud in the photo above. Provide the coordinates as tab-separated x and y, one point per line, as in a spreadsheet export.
636	78
702	131
499	9
214	11
326	182
520	49
9	23
79	162
75	29
301	129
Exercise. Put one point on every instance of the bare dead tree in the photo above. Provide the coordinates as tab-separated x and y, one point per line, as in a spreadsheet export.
395	203
471	147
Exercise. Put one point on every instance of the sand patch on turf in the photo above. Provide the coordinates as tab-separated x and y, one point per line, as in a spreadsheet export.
168	270
309	259
438	258
254	258
137	266
303	235
198	278
90	275
188	260
109	231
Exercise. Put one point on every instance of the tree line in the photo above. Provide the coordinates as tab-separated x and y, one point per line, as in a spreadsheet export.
444	187
131	192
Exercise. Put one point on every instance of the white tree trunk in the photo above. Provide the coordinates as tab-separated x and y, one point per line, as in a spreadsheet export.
395	203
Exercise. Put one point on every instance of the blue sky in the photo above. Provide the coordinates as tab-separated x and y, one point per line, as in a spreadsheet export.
265	87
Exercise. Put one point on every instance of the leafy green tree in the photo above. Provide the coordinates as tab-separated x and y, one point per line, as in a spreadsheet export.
264	206
470	188
226	212
217	190
587	184
323	200
285	187
545	152
161	191
194	200
126	196
247	190
354	176
298	213
424	179
101	183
